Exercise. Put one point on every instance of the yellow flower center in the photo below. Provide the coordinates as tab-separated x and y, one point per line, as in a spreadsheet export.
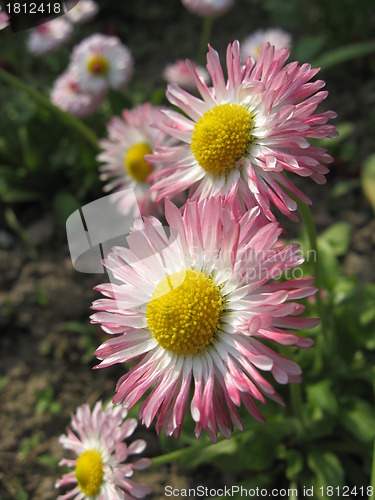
184	310
89	472
98	65
221	137
135	164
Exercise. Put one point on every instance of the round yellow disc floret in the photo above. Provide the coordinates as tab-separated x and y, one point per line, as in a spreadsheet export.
98	65
135	164
89	472
221	137
184	310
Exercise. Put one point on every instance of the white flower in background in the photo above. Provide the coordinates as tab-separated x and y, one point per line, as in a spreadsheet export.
68	96
179	72
84	11
250	47
102	62
208	8
49	36
4	19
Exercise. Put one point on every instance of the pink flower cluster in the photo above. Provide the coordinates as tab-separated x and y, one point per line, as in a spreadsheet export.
98	63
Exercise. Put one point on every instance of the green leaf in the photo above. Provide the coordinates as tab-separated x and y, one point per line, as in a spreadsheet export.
344	54
327	469
359	419
64	204
309	47
344	187
157	96
321	396
329	267
294	460
212	452
368	179
48	461
337	237
28	444
17	195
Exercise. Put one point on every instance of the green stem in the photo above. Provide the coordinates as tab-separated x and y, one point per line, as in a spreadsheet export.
202	449
372	481
16	226
70	120
205	38
174	455
296	402
309	224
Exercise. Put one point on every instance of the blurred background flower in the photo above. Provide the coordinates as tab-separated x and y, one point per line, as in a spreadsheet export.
250	46
179	73
208	8
102	62
4	20
48	37
84	11
67	94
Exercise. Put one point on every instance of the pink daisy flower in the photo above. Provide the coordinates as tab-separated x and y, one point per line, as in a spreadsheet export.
102	62
67	95
48	37
195	306
84	11
208	8
244	134
130	139
99	469
252	44
4	19
179	72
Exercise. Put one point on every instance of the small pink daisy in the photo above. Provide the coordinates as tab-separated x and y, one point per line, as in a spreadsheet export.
102	62
252	44
99	469
83	11
130	139
195	306
179	72
67	95
244	134
48	37
208	8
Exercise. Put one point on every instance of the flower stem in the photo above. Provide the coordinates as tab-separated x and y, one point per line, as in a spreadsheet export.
70	120
309	224
296	402
205	38
200	448
175	455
